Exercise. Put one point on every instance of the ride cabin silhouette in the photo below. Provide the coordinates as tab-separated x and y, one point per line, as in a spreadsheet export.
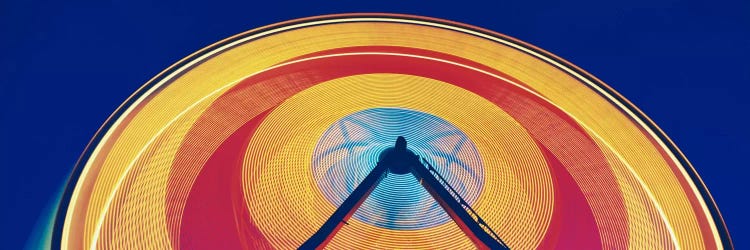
400	160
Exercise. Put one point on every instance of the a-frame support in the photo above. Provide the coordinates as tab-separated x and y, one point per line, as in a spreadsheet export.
400	160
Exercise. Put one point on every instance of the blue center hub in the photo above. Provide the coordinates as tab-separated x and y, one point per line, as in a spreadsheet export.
352	146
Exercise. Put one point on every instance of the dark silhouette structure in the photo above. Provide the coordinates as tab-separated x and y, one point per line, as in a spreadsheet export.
400	160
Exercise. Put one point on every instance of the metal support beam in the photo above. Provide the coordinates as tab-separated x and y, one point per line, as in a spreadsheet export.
345	211
399	160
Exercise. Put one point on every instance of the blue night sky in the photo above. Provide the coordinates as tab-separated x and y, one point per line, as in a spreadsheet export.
65	66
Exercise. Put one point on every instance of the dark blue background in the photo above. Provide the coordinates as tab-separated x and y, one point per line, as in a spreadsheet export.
65	66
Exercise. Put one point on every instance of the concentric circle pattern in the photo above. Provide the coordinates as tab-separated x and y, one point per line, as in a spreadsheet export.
253	143
350	148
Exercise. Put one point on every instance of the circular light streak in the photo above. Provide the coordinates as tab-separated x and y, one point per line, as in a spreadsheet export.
231	147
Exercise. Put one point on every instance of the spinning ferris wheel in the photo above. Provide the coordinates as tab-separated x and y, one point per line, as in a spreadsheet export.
295	135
